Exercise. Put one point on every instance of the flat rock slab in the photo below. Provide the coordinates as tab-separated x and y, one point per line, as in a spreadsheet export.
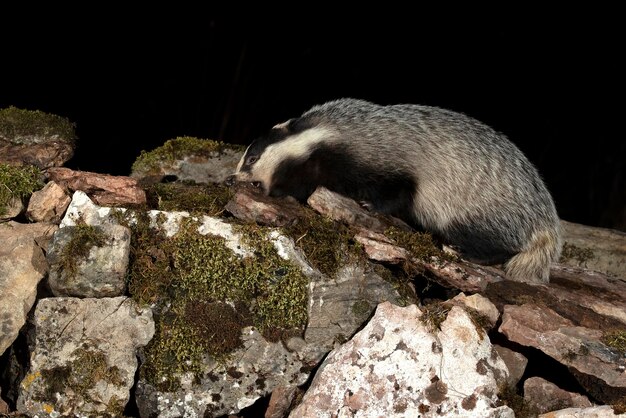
396	367
84	359
545	396
599	249
104	189
597	367
22	266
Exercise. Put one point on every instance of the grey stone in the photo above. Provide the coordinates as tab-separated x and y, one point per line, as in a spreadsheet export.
84	359
397	367
545	396
101	273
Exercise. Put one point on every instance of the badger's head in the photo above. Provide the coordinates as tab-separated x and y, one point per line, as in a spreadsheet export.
281	163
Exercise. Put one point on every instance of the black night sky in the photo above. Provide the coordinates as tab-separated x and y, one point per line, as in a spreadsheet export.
553	84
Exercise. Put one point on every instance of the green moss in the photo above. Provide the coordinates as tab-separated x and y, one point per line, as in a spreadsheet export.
194	281
615	339
176	149
20	126
196	198
84	237
17	183
419	244
326	244
87	368
361	308
572	252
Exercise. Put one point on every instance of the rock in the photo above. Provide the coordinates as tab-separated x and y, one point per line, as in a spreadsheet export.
12	209
249	205
604	411
597	367
35	137
22	266
48	204
344	209
396	367
188	158
515	362
4	408
84	359
89	261
545	396
280	401
480	304
102	188
598	249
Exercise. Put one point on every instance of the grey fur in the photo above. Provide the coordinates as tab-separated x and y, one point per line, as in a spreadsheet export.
469	184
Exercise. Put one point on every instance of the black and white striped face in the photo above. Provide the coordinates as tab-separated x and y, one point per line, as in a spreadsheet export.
291	142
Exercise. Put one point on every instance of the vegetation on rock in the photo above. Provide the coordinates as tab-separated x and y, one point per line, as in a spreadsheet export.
21	126
17	183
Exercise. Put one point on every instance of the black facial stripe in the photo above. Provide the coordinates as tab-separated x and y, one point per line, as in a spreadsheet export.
337	169
275	135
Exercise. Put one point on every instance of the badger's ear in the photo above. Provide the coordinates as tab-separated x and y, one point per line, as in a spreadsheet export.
301	124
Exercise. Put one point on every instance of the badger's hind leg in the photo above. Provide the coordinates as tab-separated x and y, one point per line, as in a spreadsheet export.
532	264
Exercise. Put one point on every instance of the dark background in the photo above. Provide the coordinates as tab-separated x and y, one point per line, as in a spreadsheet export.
553	84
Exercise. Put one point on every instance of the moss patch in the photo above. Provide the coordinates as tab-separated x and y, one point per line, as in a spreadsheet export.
326	244
195	282
176	149
572	252
81	375
419	244
615	339
21	126
208	199
434	314
17	183
84	237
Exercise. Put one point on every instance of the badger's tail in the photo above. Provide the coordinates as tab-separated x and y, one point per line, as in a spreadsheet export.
532	264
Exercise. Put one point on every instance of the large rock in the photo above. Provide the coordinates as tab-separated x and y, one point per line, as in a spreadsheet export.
604	411
397	367
188	158
599	249
48	204
104	189
598	367
22	266
89	261
84	359
545	396
34	137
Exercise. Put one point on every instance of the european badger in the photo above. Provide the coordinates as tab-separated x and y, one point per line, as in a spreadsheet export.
436	169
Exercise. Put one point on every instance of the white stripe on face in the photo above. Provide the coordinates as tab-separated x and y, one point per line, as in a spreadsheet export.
297	147
243	158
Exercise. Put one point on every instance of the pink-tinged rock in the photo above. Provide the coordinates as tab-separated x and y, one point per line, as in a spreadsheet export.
48	204
280	401
22	266
545	396
598	368
44	155
604	411
397	367
250	205
515	362
480	304
12	209
103	189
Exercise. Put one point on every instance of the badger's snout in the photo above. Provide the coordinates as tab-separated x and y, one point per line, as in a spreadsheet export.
230	180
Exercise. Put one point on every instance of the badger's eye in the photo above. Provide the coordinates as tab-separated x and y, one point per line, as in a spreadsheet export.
251	159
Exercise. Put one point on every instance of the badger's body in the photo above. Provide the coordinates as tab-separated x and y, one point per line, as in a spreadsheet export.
434	168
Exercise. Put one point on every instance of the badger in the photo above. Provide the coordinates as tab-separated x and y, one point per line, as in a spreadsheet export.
438	170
